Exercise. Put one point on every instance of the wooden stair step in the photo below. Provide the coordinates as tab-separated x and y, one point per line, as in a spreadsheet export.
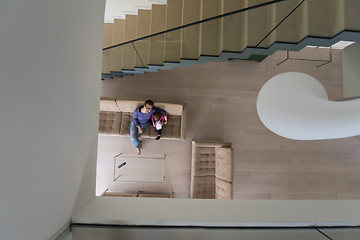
157	44
234	29
260	22
117	52
173	40
352	10
107	42
337	16
143	46
130	34
191	35
210	39
295	27
107	35
319	24
327	18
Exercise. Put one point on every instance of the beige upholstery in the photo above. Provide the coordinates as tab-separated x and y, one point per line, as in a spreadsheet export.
211	170
108	105
223	189
202	187
109	122
116	116
224	164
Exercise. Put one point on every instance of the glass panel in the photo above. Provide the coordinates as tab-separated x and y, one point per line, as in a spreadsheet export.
142	48
173	42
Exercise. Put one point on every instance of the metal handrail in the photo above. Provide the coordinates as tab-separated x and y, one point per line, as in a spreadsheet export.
197	22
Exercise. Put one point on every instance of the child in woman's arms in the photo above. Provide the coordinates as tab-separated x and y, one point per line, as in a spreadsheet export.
158	120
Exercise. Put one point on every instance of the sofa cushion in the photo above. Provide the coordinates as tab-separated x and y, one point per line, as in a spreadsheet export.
171	129
223	189
204	162
128	105
170	108
109	122
224	164
202	187
125	123
108	105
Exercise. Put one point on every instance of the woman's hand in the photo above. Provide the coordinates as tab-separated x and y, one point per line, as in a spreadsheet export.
140	129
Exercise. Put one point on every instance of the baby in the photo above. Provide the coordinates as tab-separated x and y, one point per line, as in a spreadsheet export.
158	120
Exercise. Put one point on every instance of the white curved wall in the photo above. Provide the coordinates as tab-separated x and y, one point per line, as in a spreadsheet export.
50	70
295	105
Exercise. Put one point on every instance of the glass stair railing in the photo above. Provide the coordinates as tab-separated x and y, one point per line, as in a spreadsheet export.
195	32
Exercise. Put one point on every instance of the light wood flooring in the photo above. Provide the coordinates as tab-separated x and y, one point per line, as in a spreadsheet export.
221	100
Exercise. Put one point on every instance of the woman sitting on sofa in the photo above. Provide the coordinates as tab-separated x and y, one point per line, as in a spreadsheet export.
141	119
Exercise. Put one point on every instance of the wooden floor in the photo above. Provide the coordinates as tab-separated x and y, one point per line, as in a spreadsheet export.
221	100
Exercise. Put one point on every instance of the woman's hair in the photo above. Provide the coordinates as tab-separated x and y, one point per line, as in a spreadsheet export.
157	116
149	103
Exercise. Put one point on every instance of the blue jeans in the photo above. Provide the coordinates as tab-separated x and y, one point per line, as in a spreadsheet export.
134	133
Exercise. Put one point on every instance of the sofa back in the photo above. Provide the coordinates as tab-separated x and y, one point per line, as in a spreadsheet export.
131	105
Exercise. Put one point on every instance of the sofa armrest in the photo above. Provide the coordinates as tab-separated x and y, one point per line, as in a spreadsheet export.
223	189
211	144
183	122
108	105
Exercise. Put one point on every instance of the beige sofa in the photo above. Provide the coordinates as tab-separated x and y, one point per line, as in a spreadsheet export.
211	170
116	116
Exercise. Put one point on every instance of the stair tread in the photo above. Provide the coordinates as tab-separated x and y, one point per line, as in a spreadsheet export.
107	42
295	27
130	34
234	29
174	38
157	44
107	34
191	35
210	31
352	9
261	21
143	46
158	13
117	52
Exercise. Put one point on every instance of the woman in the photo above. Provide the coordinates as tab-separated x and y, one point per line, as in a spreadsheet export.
141	119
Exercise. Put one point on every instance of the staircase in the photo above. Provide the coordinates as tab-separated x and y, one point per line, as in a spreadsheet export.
251	34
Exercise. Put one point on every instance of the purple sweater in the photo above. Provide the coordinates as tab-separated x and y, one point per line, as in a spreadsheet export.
142	118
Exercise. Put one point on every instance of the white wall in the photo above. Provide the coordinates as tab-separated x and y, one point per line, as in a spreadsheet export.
200	212
119	8
50	66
